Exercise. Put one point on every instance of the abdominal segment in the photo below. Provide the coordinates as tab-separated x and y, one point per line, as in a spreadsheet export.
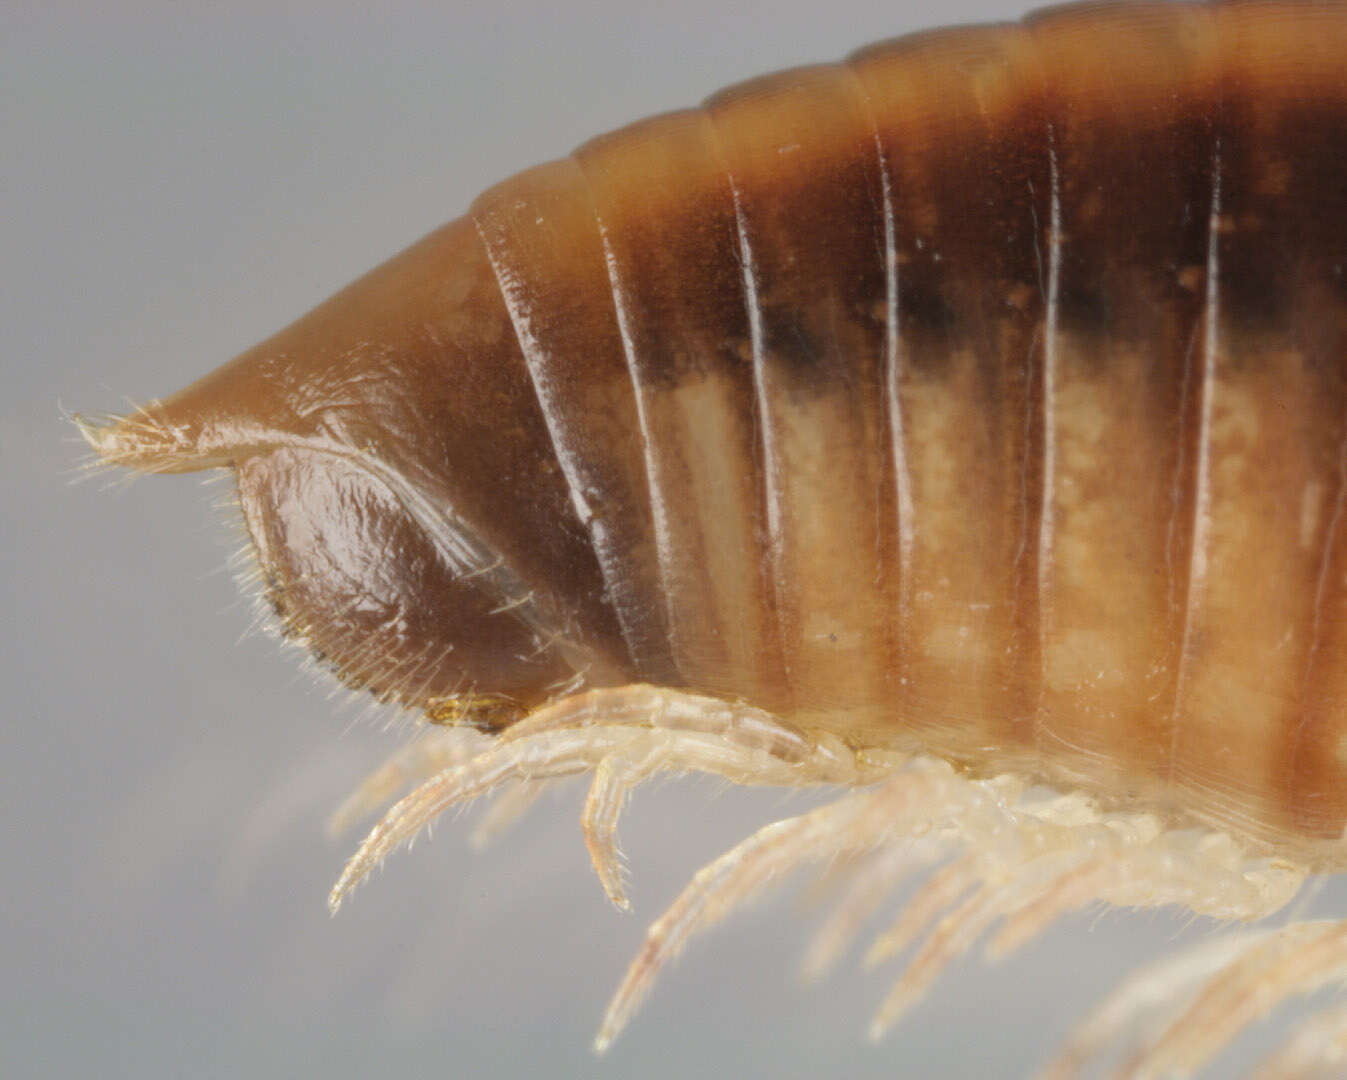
983	393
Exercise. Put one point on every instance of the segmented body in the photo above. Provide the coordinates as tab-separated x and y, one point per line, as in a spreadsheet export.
981	397
972	377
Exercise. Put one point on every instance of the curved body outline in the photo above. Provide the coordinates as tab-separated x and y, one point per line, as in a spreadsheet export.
1185	319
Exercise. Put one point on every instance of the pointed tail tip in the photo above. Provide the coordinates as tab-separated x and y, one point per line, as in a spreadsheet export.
98	434
138	441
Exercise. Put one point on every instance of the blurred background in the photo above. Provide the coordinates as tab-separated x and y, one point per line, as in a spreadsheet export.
176	182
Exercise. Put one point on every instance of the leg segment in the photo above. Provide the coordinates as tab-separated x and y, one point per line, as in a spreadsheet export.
624	734
1296	959
614	778
1019	862
1317	1050
1016	861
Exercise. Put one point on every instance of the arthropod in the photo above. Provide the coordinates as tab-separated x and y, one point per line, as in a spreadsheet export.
961	424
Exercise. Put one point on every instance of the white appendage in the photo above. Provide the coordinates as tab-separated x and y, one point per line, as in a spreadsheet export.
623	735
1317	1050
1015	859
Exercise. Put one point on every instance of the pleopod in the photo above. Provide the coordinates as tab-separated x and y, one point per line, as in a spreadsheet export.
963	424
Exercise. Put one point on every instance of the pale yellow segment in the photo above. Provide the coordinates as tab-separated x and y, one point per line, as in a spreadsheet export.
1253	587
1110	582
952	604
719	613
826	491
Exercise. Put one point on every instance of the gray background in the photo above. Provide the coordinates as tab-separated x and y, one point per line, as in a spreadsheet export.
175	184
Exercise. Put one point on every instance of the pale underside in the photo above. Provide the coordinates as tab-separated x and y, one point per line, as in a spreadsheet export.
1002	858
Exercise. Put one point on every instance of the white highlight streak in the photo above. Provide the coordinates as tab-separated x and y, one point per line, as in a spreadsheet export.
1197	565
1050	315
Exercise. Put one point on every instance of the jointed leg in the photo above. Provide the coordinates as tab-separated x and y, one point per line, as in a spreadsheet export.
624	734
1018	860
614	778
870	885
1024	863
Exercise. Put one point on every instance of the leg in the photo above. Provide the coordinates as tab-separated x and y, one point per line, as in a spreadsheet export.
1319	1046
1296	959
614	777
1020	862
624	734
870	885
